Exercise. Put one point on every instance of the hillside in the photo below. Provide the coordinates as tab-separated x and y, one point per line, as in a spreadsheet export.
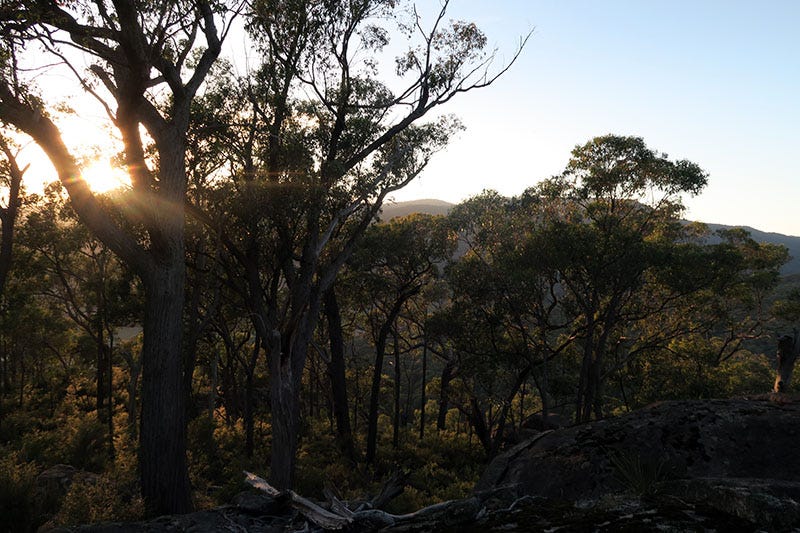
439	207
428	206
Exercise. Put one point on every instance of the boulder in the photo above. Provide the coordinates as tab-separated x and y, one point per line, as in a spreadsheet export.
739	438
52	486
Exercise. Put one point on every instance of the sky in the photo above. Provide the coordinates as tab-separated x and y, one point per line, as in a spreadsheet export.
716	82
713	81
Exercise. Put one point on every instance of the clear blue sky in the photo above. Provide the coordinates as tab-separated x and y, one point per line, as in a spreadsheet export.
716	82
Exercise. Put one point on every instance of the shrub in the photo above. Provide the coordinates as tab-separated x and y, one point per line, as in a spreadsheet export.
100	499
88	446
17	486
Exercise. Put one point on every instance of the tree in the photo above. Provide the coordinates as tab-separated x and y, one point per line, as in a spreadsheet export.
614	236
150	67
11	176
508	304
322	142
394	262
85	281
595	264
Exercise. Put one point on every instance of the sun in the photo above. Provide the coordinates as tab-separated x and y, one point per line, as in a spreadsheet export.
103	177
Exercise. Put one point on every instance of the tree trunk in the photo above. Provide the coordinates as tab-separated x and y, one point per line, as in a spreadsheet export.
286	365
100	375
478	422
375	391
249	400
788	349
212	395
396	425
423	399
444	394
583	400
162	452
110	421
337	375
8	215
134	369
249	443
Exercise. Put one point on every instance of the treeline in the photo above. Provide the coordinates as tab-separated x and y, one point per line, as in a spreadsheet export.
584	297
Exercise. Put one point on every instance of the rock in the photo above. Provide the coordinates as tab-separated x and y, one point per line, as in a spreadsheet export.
256	502
740	438
52	486
767	503
539	423
219	519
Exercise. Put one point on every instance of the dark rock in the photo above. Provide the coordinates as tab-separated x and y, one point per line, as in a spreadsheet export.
768	503
738	438
539	423
616	513
52	486
260	503
220	519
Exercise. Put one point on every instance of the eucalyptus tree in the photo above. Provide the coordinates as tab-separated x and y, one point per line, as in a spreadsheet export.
319	144
147	61
508	305
394	262
596	263
621	209
11	178
84	281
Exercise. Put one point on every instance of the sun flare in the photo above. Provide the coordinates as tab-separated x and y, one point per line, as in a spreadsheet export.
103	177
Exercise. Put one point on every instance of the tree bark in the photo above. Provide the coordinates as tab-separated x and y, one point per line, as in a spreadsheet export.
249	408
788	349
162	452
8	215
285	387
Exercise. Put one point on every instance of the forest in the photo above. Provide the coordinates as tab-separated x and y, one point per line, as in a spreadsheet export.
244	305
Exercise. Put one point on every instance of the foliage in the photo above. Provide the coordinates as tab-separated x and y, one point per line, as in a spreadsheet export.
17	484
637	475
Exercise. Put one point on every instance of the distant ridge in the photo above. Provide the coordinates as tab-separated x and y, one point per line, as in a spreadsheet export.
427	206
438	207
790	242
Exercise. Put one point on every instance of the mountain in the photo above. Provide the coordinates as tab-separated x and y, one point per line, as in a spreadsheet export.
439	207
791	243
427	206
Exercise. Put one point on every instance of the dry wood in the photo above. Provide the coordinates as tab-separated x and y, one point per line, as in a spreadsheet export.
445	513
320	516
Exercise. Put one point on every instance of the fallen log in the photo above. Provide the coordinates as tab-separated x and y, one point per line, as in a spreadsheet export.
449	513
318	515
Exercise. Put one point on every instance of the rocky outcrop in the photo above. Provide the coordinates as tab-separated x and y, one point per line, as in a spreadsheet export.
741	438
720	464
